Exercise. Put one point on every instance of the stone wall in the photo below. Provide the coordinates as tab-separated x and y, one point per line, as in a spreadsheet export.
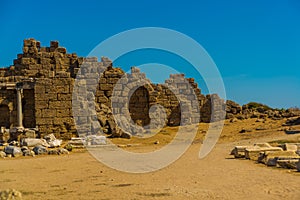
53	106
48	104
213	109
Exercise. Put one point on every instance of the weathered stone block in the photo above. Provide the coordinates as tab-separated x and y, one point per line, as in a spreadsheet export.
46	113
40	150
14	151
44	121
102	99
106	86
254	152
31	142
41	104
45	96
64	97
63	113
60	104
63	120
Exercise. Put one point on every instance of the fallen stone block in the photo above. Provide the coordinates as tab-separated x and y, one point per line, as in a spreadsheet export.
54	143
239	151
270	158
31	142
76	143
14	143
24	148
53	152
62	151
95	140
49	137
291	146
40	150
14	151
29	133
271	162
28	153
288	164
254	152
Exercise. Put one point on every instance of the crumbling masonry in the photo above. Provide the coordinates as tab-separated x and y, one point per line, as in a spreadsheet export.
42	79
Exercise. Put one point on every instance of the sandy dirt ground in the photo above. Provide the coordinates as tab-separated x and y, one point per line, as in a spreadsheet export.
217	176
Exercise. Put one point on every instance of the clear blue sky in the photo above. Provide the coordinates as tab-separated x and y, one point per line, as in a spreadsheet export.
255	43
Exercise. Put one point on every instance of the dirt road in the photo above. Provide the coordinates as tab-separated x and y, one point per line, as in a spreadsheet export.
80	176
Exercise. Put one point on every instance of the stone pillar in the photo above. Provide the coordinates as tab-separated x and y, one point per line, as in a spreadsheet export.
19	108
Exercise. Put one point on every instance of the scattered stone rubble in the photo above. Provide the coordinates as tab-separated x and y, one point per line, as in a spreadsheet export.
33	146
257	110
284	156
10	194
87	141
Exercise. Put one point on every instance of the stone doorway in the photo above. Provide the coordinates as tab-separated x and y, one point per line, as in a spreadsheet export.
139	106
28	107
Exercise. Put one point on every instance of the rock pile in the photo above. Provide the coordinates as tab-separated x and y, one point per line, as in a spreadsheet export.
33	146
257	110
232	109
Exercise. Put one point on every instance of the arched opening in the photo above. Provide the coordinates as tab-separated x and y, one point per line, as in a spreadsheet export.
4	116
139	106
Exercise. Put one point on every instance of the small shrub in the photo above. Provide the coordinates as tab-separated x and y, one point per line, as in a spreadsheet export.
255	105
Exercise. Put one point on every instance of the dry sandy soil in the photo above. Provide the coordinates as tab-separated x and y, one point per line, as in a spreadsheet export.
218	176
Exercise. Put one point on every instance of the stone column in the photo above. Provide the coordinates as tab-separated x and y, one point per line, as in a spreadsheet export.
19	108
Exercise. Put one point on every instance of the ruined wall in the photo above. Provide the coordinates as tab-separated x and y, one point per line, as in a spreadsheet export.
213	109
53	106
48	105
8	108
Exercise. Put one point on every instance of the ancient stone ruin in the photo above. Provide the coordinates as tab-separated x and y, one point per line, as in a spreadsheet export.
36	95
285	156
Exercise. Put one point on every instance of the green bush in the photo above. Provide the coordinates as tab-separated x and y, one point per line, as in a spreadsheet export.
255	105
